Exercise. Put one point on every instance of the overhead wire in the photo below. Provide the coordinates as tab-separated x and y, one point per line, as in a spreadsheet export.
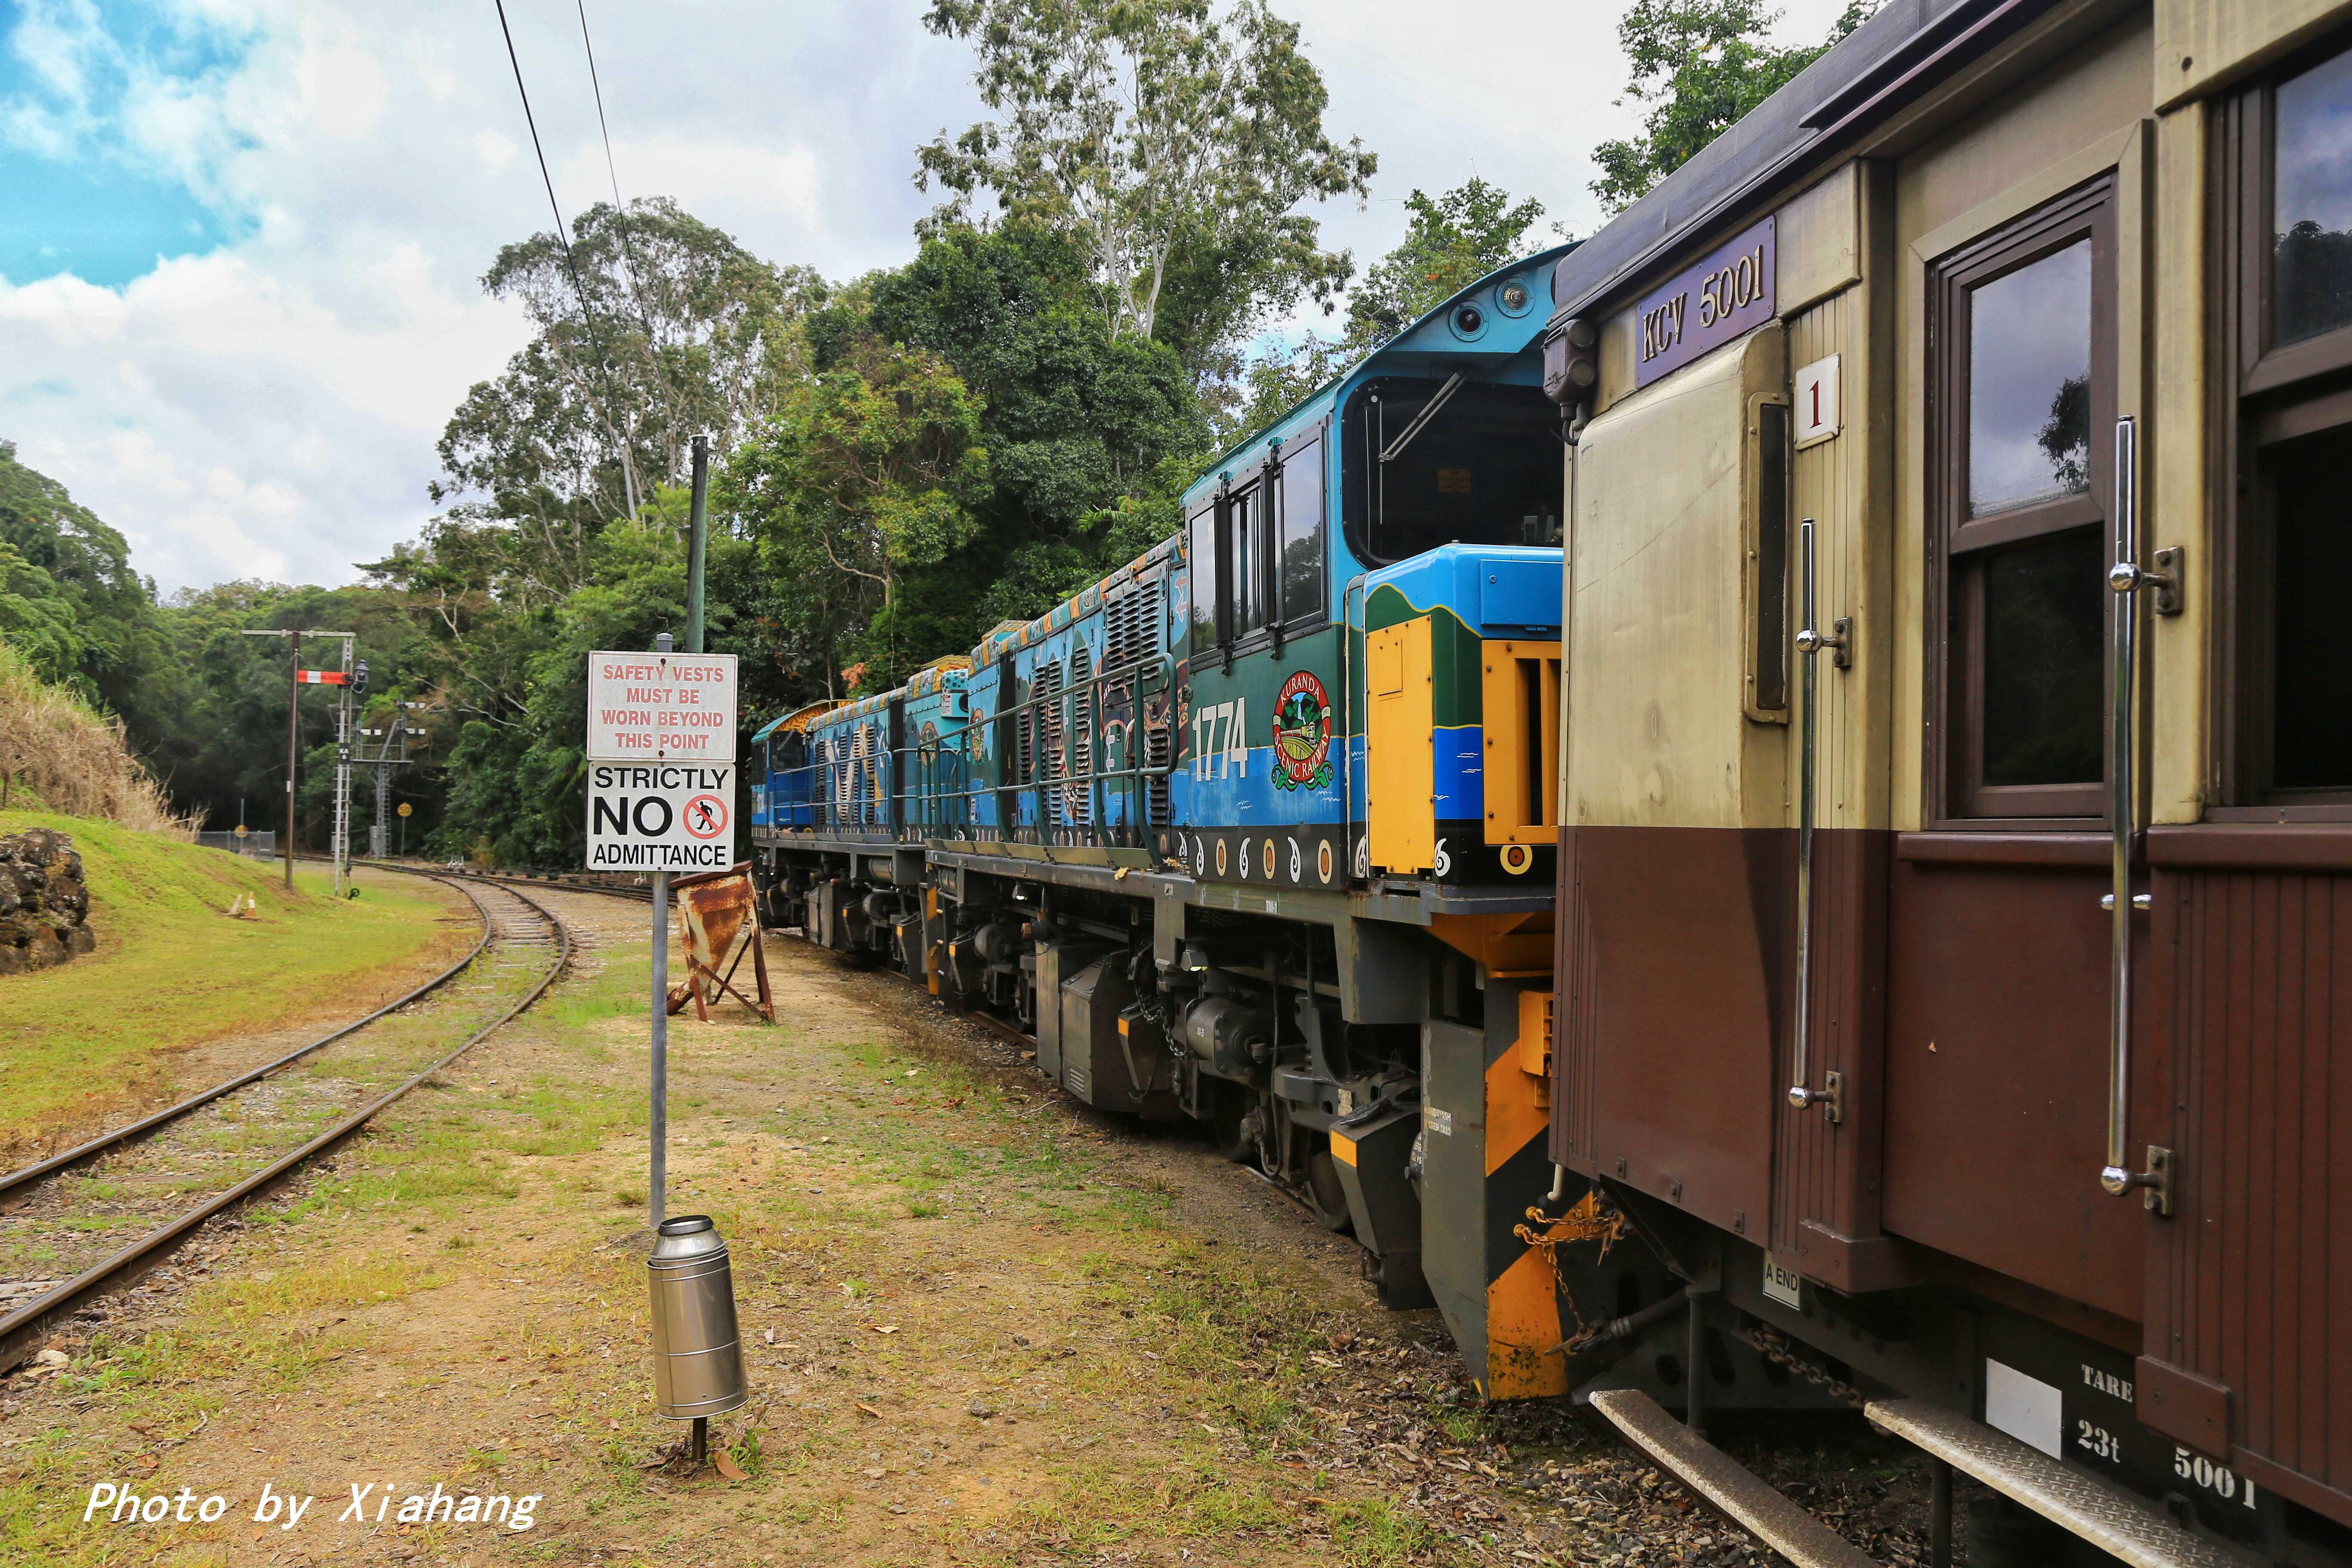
620	209
562	234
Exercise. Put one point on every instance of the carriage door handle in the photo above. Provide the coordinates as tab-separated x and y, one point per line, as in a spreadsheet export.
2127	577
1811	642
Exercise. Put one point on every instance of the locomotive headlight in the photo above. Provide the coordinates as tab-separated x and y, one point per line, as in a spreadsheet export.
1468	318
1515	296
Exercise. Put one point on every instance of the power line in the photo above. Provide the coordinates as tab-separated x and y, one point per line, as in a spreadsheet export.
602	128
619	211
562	235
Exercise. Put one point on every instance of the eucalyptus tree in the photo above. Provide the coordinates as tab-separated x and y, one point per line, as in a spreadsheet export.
651	325
1175	136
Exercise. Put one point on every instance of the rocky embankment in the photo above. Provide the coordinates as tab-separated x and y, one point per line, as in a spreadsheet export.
44	907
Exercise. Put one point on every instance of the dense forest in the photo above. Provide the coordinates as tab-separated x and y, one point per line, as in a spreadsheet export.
901	460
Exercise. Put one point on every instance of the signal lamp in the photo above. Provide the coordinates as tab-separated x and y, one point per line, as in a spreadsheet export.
1573	362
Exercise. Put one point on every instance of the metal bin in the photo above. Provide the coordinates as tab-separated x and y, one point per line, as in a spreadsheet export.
697	1359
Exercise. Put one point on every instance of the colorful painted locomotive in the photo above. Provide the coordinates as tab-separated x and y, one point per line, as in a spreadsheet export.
1257	830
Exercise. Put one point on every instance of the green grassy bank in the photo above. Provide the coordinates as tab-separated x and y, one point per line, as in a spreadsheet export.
173	970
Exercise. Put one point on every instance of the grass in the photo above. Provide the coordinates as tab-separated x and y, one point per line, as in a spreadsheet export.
171	970
1147	1386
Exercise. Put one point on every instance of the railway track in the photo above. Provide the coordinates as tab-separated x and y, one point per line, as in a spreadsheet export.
163	1176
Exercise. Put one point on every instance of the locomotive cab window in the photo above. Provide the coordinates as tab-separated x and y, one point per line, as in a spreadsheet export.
1433	462
1300	488
1247	517
1202	548
2286	285
2025	332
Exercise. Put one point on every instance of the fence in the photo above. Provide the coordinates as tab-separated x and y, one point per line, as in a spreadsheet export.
252	846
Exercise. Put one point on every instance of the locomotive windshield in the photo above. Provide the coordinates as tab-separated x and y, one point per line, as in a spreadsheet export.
1483	469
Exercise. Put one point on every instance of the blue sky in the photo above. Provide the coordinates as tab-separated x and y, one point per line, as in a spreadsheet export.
82	197
240	241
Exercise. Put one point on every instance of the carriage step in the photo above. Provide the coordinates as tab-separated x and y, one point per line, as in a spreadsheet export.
2110	1518
1752	1502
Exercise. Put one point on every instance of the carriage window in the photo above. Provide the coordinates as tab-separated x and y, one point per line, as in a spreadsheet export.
1201	559
2030	384
2311	220
2026	335
2311	646
1302	534
2286	439
2045	649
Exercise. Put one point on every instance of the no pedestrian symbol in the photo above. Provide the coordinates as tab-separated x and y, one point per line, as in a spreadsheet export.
705	817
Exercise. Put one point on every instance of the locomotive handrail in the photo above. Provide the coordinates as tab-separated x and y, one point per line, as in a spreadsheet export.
1157	662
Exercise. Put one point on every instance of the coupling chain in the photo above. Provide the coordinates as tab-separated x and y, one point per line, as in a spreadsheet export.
1774	1347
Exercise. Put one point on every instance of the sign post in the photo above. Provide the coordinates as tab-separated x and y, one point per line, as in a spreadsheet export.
661	798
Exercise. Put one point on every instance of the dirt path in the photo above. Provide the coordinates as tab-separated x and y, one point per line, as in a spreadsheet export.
981	1327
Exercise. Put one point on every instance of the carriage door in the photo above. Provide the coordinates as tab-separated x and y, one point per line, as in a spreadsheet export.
1998	949
2248	1348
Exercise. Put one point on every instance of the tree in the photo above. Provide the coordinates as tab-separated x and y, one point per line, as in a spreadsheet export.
652	325
1085	432
1450	242
1699	66
1173	139
870	471
64	553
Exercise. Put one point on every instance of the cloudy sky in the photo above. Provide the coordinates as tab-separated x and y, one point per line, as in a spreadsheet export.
240	241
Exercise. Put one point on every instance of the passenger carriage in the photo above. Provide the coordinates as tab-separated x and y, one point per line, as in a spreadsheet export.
1955	780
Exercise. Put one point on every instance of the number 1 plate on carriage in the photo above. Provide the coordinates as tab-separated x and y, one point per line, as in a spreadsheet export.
660	817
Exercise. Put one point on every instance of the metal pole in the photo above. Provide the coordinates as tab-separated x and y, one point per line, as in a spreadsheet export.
698	530
2117	1175
293	728
344	768
660	1174
1801	1094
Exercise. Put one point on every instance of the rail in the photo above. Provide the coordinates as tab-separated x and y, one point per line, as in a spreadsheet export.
145	1124
21	1329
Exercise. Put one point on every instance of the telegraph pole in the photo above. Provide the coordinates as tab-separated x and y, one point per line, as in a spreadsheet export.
293	738
697	533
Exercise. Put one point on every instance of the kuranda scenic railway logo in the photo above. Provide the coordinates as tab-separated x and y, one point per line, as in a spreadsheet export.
1302	733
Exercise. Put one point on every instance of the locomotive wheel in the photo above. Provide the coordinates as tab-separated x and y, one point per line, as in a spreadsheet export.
1325	1196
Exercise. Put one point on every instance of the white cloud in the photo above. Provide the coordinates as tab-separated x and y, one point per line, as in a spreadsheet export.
495	151
270	408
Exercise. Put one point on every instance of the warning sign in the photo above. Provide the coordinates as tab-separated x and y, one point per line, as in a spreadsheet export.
660	817
661	707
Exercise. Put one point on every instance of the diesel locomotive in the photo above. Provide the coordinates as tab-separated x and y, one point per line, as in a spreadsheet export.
1758	804
1257	831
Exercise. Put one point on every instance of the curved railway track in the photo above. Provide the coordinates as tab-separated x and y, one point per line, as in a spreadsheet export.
232	1141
